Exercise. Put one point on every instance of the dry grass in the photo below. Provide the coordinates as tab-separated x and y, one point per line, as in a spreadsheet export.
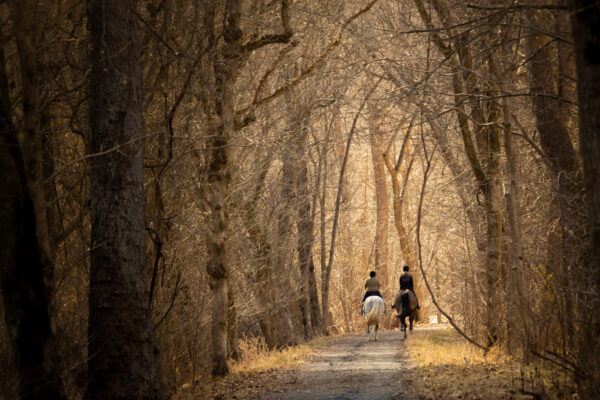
448	367
445	347
255	357
257	369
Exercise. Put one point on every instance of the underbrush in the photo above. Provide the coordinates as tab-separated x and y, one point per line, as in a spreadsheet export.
256	357
257	368
448	367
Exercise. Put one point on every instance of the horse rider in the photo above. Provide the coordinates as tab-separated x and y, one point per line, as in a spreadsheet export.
371	287
406	282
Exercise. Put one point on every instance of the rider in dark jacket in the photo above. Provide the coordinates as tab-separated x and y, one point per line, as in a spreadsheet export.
406	282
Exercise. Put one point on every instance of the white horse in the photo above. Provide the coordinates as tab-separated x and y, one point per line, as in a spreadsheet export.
373	308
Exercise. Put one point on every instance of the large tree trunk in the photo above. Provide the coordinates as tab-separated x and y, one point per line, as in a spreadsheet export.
585	21
517	303
563	168
25	272
398	201
399	206
336	128
375	121
121	358
495	227
305	226
322	226
219	180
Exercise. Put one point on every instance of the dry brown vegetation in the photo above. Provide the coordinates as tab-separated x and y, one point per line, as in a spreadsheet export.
448	367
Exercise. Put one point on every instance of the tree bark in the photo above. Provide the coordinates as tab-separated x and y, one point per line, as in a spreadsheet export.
375	117
495	227
399	195
121	358
232	330
305	226
322	223
585	18
24	274
398	202
220	107
563	168
518	303
219	180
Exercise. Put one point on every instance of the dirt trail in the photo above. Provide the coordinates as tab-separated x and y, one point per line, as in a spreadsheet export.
353	368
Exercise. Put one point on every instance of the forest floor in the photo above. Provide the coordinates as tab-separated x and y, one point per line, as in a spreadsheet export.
433	363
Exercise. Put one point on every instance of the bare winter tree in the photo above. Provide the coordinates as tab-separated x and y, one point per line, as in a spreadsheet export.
585	19
27	269
121	358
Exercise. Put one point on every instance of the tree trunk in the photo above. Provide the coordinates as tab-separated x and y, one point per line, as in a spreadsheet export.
219	180
563	168
398	203
585	21
121	358
495	228
226	61
322	236
232	332
518	303
381	196
314	298
305	226
26	289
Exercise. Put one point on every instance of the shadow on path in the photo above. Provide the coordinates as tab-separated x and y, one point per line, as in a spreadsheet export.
353	368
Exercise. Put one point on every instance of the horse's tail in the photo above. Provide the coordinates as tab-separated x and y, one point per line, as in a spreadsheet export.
373	317
406	306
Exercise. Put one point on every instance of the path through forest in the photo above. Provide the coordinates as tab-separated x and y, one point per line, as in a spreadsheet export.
351	367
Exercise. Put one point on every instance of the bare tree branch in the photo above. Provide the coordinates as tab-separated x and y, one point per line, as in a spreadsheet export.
317	63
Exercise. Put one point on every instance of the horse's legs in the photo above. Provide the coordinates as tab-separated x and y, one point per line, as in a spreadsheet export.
376	329
411	318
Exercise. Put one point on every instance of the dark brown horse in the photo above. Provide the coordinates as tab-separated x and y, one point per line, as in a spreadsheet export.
405	304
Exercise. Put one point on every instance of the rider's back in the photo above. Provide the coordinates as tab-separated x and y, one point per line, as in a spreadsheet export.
406	281
372	284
